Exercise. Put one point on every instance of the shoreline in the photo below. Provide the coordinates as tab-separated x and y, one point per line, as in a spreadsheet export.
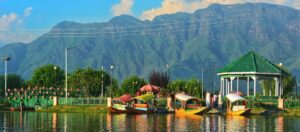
103	109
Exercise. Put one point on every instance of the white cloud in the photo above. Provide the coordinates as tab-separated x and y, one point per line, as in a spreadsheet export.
7	20
173	6
11	27
124	7
27	11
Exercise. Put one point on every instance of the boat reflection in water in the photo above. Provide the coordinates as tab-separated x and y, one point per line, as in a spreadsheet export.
60	122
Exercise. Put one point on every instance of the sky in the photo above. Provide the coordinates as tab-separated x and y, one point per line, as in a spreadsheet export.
25	20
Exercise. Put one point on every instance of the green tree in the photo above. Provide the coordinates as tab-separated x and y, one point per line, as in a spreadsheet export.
192	87
13	81
89	80
48	75
131	84
177	86
113	89
288	83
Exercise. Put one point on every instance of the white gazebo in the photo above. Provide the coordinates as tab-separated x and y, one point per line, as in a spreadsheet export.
252	68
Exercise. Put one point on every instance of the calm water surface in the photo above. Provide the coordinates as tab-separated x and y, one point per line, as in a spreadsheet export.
89	122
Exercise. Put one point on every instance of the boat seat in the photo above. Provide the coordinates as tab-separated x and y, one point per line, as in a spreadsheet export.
140	105
192	106
238	107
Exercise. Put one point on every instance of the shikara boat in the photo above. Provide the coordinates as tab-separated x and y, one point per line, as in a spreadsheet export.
141	104
119	104
236	105
188	105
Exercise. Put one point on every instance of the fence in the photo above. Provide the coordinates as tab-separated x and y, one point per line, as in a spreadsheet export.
82	101
46	102
262	101
253	102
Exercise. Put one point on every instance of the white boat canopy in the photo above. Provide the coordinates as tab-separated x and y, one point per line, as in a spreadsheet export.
184	97
234	98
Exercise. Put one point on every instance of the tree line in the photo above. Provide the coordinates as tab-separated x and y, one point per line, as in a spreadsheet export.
90	82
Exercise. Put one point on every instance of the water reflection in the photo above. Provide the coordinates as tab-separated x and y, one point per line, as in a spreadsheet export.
57	122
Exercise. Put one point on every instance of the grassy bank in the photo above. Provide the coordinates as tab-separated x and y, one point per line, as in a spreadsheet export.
291	112
280	112
76	108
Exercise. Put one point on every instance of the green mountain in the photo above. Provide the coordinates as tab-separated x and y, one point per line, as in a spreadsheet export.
208	38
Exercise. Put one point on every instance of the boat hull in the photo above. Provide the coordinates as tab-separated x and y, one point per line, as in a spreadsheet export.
200	110
137	111
239	112
116	111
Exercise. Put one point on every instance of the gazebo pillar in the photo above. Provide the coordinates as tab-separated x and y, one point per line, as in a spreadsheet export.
254	87
222	86
276	86
237	84
224	90
228	86
248	85
231	82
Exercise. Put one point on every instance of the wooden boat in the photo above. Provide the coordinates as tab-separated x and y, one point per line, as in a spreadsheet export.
199	110
236	105
141	105
119	104
188	105
117	110
140	111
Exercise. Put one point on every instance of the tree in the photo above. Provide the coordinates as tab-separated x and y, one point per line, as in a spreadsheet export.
89	80
177	86
288	83
131	84
113	89
192	87
48	76
160	79
13	81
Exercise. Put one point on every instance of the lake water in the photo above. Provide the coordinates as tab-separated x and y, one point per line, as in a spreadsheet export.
89	122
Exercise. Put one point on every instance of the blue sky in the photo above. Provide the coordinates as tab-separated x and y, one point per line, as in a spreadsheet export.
24	20
47	13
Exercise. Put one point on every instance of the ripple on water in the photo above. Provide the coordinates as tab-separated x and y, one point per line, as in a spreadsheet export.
56	122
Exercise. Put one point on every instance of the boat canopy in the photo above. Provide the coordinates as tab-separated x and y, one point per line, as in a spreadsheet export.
145	97
149	88
234	98
124	98
184	97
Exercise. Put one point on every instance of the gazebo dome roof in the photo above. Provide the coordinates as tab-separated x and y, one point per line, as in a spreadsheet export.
250	63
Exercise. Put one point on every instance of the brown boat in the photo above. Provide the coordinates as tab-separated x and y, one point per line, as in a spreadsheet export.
143	107
115	110
139	111
119	104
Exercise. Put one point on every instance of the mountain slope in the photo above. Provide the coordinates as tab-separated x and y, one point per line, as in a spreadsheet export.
208	38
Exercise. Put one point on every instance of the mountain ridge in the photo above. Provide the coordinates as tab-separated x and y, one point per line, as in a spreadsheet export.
208	38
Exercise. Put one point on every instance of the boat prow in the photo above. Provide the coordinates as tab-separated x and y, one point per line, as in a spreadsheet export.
115	111
200	110
239	112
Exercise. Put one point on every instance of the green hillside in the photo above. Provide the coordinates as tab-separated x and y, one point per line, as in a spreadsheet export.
208	38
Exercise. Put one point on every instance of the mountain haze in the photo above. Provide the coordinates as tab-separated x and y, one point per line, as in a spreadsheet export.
208	38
